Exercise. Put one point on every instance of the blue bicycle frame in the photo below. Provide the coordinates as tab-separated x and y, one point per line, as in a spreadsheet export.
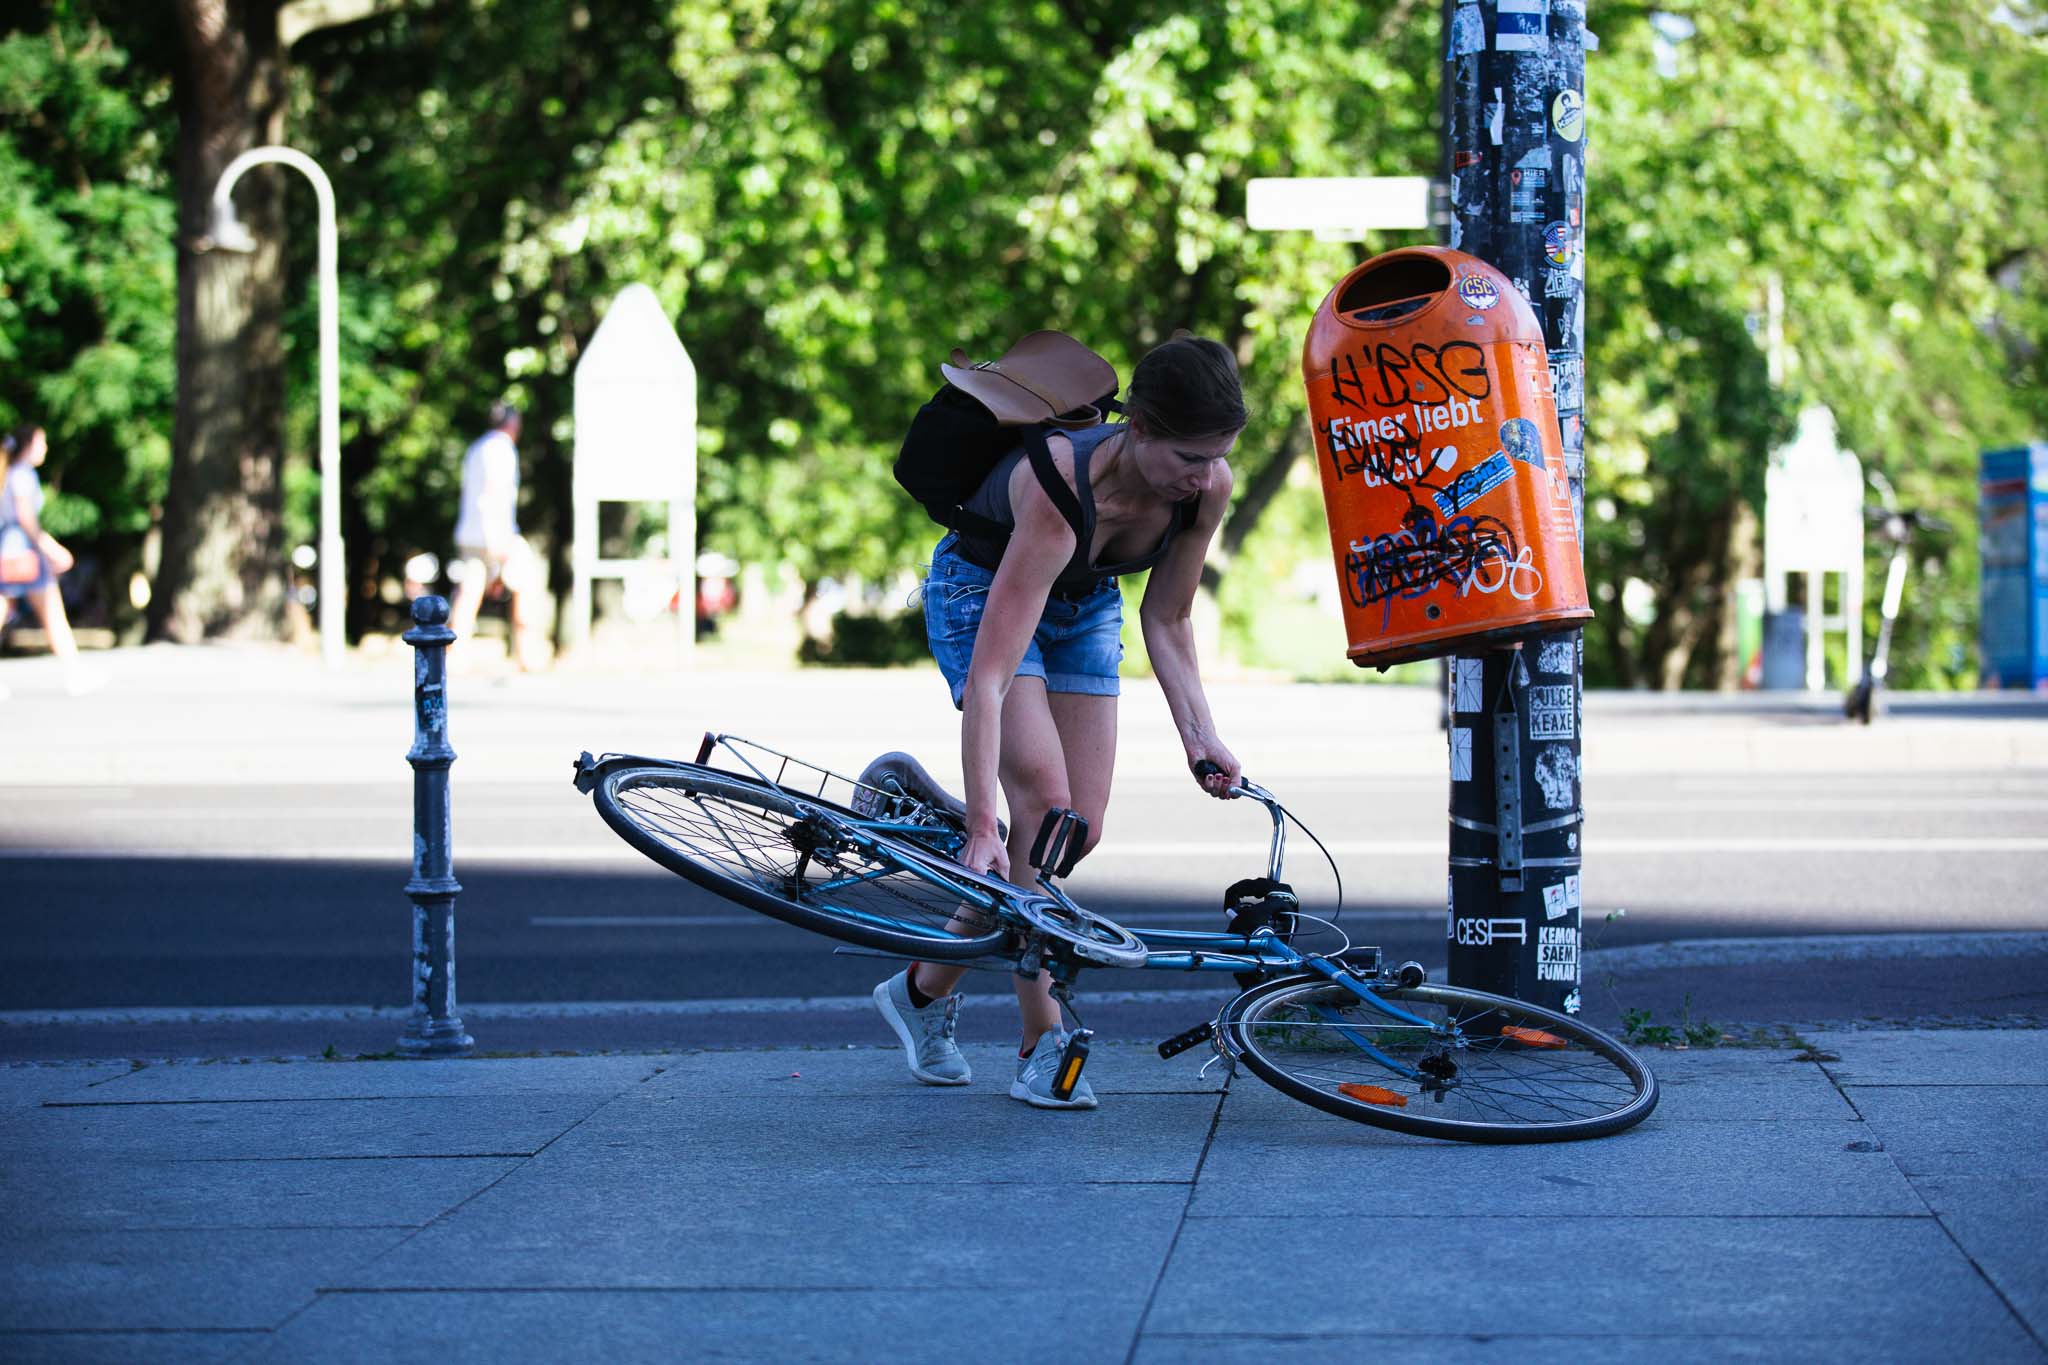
1169	950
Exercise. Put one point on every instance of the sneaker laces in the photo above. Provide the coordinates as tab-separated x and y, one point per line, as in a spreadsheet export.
939	1027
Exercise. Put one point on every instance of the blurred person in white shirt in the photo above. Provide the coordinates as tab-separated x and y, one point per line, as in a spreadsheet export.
488	547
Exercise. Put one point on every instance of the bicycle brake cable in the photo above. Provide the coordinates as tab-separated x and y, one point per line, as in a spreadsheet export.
1334	872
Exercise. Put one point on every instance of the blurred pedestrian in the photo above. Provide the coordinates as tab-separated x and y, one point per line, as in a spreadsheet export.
31	560
489	549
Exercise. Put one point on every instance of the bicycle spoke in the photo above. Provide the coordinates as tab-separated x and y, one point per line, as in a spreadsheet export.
766	847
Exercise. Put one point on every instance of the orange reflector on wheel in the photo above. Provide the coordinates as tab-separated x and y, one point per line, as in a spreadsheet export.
1531	1037
1373	1094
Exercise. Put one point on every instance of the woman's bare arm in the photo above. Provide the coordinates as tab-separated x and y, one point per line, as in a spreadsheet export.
1167	620
1040	546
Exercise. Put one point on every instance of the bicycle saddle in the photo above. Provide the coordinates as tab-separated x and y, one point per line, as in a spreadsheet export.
896	772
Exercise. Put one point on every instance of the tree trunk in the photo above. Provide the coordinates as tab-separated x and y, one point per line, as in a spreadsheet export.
223	571
1743	559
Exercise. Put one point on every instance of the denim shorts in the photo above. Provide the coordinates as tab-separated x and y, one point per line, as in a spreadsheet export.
1076	647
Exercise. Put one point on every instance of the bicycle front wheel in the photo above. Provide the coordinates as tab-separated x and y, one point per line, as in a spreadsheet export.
1479	1068
804	863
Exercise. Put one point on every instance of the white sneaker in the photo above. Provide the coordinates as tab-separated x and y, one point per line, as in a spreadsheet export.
1035	1075
926	1034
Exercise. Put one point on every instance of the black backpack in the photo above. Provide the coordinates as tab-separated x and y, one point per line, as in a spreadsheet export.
957	439
953	444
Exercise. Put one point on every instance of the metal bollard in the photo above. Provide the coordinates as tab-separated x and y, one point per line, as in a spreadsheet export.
435	1029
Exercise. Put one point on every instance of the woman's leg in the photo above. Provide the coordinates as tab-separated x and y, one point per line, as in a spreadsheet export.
1059	749
49	606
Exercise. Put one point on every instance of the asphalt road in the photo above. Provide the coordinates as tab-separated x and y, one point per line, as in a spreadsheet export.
103	915
205	845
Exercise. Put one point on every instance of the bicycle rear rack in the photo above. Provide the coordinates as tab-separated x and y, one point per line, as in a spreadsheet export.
787	773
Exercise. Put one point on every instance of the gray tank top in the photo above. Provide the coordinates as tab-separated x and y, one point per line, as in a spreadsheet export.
992	501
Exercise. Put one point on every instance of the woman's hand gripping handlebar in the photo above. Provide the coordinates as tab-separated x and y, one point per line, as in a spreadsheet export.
1246	787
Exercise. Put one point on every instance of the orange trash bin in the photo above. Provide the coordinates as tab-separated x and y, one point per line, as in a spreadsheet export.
1443	474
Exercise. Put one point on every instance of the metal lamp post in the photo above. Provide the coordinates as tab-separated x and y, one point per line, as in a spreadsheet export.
227	233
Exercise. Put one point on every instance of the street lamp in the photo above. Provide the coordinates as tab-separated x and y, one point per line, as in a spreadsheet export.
228	233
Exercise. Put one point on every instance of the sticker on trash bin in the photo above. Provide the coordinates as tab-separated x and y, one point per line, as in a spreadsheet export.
1466	692
1556	770
1557	953
1568	114
1478	292
1461	755
1557	244
1550	712
1571	892
1469	486
1522	26
1553	901
1519	438
1555	655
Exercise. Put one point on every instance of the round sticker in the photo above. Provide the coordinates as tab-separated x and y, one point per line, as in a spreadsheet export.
1557	244
1478	292
1568	114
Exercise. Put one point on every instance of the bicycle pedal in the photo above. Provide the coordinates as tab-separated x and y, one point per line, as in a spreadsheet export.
1181	1042
1073	1057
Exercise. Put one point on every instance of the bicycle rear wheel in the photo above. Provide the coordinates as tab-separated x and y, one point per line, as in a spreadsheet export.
805	863
1510	1072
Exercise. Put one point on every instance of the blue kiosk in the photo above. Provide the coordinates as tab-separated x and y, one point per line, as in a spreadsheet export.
2012	508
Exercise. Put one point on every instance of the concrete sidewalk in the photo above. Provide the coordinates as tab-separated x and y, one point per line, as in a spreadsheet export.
1879	1197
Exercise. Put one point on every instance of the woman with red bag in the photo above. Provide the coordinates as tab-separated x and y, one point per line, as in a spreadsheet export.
30	557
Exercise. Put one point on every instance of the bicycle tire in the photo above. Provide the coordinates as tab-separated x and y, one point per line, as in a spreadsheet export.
1558	1080
800	861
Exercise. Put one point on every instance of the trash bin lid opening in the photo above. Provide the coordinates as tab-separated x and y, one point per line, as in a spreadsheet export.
1393	289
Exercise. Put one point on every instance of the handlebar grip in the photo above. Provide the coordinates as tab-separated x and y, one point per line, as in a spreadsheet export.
1208	767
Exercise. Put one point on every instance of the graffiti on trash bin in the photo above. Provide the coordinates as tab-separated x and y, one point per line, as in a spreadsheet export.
1426	554
1416	373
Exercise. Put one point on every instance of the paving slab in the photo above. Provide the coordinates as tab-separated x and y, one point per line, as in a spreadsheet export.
1938	1056
1960	1130
297	1129
52	1191
125	1348
1718	1085
1900	1282
660	1327
1722	1169
167	1082
615	1230
176	1279
1619	1348
913	1135
1998	1222
876	1072
25	1085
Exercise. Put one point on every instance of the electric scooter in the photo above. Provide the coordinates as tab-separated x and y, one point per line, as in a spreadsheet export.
1897	528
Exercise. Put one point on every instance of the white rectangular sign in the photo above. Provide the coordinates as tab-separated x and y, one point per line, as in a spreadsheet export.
1337	203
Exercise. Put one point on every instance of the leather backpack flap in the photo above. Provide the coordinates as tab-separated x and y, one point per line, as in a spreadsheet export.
1071	378
1045	378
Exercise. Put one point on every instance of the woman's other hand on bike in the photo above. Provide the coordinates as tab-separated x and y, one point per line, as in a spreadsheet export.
1217	769
985	853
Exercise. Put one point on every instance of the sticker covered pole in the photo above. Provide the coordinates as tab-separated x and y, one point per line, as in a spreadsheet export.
1514	77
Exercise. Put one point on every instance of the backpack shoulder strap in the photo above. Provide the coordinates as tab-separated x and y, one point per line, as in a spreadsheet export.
1049	479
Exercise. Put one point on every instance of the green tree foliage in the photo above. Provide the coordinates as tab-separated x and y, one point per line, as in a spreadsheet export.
828	195
1843	149
86	270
